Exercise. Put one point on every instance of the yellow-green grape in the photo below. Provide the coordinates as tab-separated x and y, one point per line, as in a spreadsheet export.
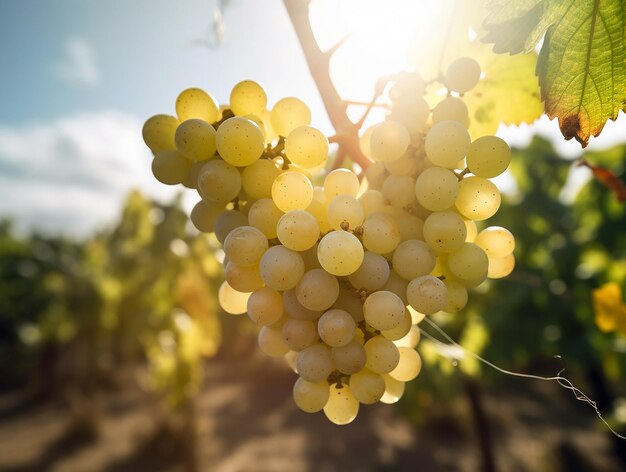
367	387
170	167
317	290
272	343
341	182
397	285
299	334
227	221
411	227
350	302
411	339
496	241
281	268
416	316
451	108
447	143
478	198
191	181
413	258
401	330
383	310
501	266
158	133
292	190
259	122
405	165
472	231
372	274
382	355
315	363
298	230
469	264
399	190
248	98
196	103
407	83
457	296
342	407
245	246
441	266
239	141
365	140
204	214
290	360
310	397
349	359
306	147
232	301
218	181
488	156
436	188
257	178
412	112
380	233
294	309
270	134
372	201
310	258
394	389
319	209
409	365
196	139
265	306
444	231
336	327
289	113
340	253
427	294
462	75
389	141
264	215
243	279
345	212
375	175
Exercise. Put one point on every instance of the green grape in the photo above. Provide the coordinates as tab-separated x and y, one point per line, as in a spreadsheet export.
381	234
427	294
413	258
336	327
405	165
372	201
478	198
469	264
340	253
372	274
298	230
411	339
349	359
367	387
341	182
272	343
257	178
447	143
350	302
462	75
299	334
457	296
265	306
248	98
436	188
411	227
196	139
232	301
191	180
399	190
342	407
383	310
245	246
242	279
292	190
397	285
444	231
195	103
227	221
394	389
319	209
451	108
382	355
310	397
218	181
317	290
306	147
389	141
281	268
239	141
158	133
294	309
345	212
204	214
264	215
472	230
488	156
288	114
401	330
412	112
365	142
501	266
170	167
496	241
409	365
315	363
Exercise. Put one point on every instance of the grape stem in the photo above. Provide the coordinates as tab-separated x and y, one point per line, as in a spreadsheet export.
346	131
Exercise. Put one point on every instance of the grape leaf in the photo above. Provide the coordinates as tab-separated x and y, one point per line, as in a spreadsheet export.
610	310
581	66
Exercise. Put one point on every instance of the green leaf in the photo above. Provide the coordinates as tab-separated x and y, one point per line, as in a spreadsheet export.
581	66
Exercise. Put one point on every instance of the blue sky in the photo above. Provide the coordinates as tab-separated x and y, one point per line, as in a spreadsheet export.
79	77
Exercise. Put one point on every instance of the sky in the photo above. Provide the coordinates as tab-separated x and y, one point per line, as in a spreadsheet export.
79	78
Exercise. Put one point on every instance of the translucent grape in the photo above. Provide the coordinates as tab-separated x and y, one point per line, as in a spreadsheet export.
389	141
196	139
462	75
345	211
383	310
488	156
350	358
367	387
436	188
315	363
444	231
170	167
427	294
264	215
289	113
265	306
227	221
447	143
317	290
496	241
281	268
298	230
501	266
248	98
350	302
204	214
413	258
292	190
394	389
218	181
478	198
310	397
451	108
195	103
372	274
411	339
397	285
257	178
239	141
272	343
336	327
342	407
232	301
469	264
340	253
411	227
243	279
382	355
399	190
380	233
319	209
306	146
341	182
409	365
245	246
299	334
401	330
411	111
158	133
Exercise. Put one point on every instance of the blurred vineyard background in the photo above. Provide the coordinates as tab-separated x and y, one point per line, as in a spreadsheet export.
114	354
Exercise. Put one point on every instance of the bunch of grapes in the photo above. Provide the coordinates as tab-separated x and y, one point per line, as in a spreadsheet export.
338	276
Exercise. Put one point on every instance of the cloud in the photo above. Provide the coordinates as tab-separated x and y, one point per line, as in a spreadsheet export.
79	64
71	176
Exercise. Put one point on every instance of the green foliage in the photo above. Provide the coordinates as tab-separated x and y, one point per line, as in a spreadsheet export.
582	63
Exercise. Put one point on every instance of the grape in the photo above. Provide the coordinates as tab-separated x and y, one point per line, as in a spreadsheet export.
336	327
350	302
264	215
472	231
397	285
158	133
294	309
405	165
372	201
349	359
310	397
309	257
317	290
218	181
478	198
488	156
401	330
281	268
411	113
319	209
413	258
411	339
315	363
245	246
496	241
399	190
240	141
409	365
446	143
345	211
227	221
191	180
469	264
289	113
380	233
298	230
444	231
427	294
196	139
462	75
204	214
243	279
299	334
265	306
411	227
451	108
372	274
342	407
416	316
272	343
232	301
382	355
436	188
292	191
306	146
248	98
290	360
389	140
457	296
407	83
367	387
394	389
340	253
194	103
257	178
383	310
341	182
365	142
376	174
501	266
170	167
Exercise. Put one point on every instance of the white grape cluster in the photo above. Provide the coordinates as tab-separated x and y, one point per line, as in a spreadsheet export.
338	276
